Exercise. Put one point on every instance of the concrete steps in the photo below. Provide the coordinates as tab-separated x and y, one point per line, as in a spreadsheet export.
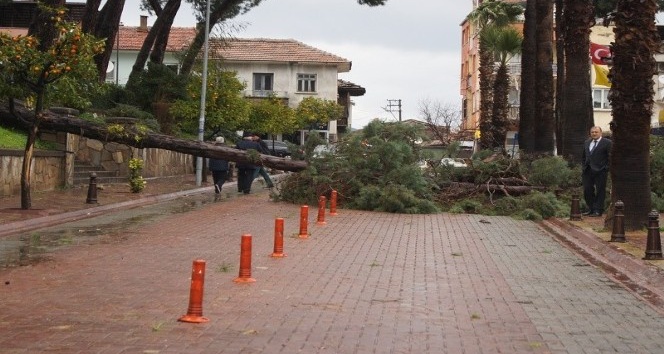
82	172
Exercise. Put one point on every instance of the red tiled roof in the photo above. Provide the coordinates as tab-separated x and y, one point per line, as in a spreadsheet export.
131	38
239	49
275	50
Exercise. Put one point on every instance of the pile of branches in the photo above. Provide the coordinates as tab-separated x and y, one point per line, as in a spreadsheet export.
491	176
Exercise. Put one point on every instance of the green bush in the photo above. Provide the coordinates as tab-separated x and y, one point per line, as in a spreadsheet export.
469	206
545	204
657	165
551	171
530	214
507	205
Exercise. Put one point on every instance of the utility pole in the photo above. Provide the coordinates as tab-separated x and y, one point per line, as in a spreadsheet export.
394	105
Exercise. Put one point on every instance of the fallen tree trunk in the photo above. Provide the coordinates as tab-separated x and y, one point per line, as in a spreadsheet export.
491	187
131	136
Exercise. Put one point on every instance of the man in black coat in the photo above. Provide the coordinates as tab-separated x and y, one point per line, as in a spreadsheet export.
219	168
596	152
245	170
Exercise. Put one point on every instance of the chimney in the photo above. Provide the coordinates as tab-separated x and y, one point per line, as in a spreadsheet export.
144	23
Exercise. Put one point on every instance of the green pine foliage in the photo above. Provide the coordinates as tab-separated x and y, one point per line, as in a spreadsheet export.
372	169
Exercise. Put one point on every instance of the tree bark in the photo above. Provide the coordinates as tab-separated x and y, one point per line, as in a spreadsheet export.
577	110
106	26
527	105
558	117
132	137
544	125
161	24
636	42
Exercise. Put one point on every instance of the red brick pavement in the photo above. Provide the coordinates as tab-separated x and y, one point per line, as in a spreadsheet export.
364	283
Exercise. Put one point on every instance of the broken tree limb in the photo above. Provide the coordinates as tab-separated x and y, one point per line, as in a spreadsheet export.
489	187
132	136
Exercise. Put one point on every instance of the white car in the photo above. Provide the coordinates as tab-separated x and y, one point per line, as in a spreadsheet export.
454	162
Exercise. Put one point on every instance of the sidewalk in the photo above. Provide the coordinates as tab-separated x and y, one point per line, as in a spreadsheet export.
362	283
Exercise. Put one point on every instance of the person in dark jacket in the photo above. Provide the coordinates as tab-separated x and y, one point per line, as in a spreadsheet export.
261	170
219	168
596	151
246	170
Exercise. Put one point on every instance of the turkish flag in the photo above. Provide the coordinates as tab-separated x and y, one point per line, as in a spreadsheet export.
599	51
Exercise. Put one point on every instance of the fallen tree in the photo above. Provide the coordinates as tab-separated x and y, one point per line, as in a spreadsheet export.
135	136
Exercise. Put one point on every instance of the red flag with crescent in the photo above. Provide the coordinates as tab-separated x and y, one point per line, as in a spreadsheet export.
599	51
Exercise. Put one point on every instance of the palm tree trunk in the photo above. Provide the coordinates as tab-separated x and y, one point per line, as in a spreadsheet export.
544	125
560	75
631	96
500	105
577	108
486	96
527	105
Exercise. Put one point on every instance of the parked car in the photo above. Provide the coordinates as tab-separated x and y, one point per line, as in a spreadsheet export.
454	162
278	148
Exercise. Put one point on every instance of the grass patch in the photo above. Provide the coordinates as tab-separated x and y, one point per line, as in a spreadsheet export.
15	140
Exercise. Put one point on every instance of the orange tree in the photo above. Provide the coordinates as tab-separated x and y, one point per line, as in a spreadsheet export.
226	109
313	112
29	69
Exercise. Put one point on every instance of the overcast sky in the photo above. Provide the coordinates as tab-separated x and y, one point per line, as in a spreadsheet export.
407	49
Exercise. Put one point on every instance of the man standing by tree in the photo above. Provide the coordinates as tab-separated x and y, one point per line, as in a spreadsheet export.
596	152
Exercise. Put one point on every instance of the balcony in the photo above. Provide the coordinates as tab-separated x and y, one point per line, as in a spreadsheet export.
267	93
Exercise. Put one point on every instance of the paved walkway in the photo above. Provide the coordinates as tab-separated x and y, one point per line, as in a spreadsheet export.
365	282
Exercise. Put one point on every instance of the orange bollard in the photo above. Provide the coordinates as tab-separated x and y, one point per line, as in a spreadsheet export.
245	261
321	210
195	311
304	220
333	203
278	238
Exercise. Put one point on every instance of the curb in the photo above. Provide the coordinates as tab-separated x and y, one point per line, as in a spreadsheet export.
645	280
50	220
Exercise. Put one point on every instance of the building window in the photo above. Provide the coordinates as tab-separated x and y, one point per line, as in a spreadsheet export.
263	81
174	67
601	99
306	82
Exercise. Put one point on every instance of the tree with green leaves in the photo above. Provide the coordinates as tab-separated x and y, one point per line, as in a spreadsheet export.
226	109
498	14
505	43
30	66
313	112
271	116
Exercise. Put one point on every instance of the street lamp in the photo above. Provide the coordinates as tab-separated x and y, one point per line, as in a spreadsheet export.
201	119
117	56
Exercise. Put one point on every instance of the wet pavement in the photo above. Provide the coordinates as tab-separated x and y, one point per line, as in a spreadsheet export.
364	282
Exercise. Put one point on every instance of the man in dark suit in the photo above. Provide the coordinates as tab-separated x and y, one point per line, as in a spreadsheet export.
596	152
245	170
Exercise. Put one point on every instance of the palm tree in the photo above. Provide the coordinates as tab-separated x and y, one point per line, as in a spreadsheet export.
504	43
577	112
527	102
544	126
499	14
631	96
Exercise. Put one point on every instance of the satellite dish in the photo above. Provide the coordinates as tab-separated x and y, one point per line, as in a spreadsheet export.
660	78
111	67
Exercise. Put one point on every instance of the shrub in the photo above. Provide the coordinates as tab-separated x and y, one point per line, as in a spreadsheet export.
467	206
530	214
136	181
551	171
545	204
507	205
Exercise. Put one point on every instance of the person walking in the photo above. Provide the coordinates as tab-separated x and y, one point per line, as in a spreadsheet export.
596	151
261	170
219	168
246	170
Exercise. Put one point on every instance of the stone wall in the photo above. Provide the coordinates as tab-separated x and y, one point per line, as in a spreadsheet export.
48	169
115	157
55	169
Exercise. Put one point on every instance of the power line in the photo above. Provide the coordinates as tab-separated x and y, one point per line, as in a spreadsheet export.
394	106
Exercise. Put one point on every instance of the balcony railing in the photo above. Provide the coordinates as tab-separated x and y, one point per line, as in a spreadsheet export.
268	93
